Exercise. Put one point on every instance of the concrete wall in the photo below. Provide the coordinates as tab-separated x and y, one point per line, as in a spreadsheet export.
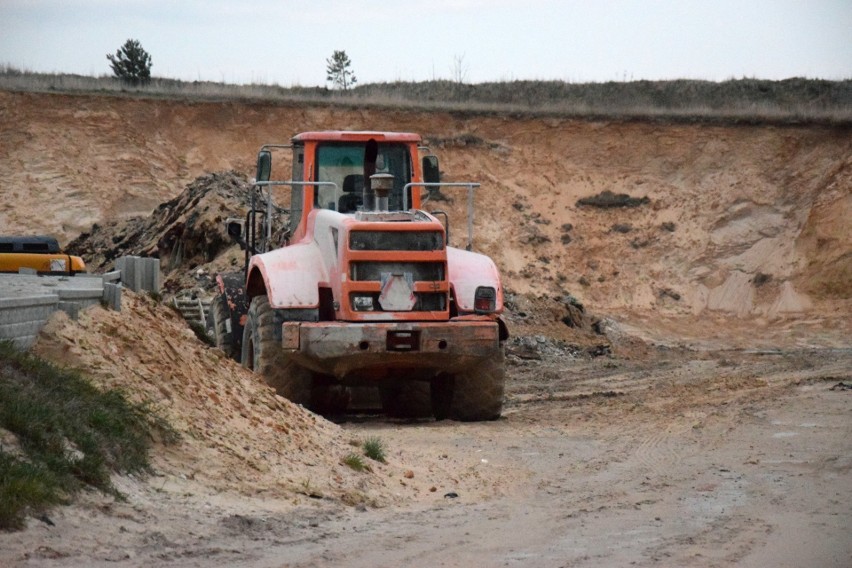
27	300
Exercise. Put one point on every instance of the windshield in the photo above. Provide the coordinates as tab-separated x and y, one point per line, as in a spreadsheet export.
345	165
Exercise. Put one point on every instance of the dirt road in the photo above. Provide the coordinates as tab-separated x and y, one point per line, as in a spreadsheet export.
673	458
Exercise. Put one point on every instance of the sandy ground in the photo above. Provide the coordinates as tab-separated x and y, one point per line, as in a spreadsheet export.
682	458
711	429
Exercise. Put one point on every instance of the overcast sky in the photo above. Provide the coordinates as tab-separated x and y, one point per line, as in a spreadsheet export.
288	42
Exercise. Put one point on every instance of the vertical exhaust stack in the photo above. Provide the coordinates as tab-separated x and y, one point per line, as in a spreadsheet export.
382	185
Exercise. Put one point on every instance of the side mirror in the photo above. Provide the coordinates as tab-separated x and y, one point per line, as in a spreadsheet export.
264	165
431	173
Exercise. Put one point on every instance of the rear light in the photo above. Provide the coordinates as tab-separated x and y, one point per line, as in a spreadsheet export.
485	300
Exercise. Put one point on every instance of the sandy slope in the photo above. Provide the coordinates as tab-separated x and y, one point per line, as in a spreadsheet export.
759	215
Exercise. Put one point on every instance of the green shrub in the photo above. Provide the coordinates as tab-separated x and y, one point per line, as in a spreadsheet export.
71	434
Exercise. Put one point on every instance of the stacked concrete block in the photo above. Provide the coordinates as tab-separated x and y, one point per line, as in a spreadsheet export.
21	317
72	300
28	300
139	273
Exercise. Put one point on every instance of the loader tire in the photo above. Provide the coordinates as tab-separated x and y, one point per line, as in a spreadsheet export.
472	396
221	316
411	399
329	399
262	353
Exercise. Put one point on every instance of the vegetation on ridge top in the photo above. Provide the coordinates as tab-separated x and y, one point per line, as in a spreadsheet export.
735	100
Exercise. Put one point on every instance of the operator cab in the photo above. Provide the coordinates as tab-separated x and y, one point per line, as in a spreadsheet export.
349	165
350	172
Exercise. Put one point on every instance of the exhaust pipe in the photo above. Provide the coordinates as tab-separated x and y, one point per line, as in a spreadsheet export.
381	185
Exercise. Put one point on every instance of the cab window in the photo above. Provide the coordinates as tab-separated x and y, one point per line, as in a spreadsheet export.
343	165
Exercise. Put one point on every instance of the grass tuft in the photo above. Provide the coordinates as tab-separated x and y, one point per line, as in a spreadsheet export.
355	462
70	435
374	449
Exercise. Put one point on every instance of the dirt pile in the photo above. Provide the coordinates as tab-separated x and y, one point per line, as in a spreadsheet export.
235	433
184	233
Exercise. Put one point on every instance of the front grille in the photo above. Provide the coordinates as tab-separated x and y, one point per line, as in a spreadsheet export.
396	240
420	271
426	302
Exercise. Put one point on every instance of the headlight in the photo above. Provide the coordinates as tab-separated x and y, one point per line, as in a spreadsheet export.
362	303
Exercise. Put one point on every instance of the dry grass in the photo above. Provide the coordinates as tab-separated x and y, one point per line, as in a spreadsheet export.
735	101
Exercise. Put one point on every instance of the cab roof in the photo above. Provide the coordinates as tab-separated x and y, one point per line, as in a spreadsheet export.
356	136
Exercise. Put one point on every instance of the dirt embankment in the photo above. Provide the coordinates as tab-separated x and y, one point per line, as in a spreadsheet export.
746	221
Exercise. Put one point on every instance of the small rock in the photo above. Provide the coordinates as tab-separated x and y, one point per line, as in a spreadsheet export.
409	474
451	495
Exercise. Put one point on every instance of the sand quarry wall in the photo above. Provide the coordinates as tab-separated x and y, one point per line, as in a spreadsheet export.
745	220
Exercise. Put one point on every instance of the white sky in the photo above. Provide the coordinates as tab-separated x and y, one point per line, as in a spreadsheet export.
287	42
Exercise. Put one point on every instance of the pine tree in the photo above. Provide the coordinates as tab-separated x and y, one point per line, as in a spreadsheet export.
338	72
131	63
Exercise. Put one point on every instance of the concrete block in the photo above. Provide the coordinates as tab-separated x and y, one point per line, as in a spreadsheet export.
28	301
71	308
150	274
140	273
23	329
112	296
74	294
15	311
131	276
113	276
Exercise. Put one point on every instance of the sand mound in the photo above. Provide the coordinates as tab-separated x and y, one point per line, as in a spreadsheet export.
235	433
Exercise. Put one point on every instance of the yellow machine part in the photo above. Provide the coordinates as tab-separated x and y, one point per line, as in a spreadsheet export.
42	263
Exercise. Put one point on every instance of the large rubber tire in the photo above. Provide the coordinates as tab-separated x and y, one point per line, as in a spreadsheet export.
411	399
263	354
472	396
329	399
220	318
